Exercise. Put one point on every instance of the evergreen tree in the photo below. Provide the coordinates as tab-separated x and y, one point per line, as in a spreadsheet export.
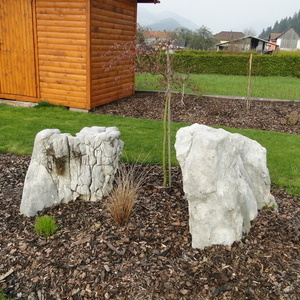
283	25
266	32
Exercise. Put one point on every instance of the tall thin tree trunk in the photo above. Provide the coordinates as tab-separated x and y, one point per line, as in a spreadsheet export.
167	172
164	158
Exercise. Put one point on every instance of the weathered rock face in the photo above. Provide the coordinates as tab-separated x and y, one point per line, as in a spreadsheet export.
64	168
226	181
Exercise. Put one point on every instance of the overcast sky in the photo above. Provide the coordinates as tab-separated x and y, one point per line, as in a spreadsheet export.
226	15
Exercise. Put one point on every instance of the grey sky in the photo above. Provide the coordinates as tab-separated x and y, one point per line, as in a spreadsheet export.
236	15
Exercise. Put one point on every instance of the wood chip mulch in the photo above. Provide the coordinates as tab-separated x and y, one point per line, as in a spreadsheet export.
90	257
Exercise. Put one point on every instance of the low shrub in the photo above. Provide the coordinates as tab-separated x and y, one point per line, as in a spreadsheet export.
214	53
287	53
45	226
230	64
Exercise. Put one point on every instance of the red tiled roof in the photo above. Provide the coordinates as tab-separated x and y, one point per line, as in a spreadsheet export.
157	34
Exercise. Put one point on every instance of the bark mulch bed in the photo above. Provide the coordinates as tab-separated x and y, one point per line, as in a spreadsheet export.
90	257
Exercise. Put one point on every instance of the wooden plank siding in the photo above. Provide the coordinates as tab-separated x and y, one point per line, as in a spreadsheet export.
62	51
113	22
17	55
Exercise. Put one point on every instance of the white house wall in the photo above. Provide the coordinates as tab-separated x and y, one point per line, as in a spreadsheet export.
289	40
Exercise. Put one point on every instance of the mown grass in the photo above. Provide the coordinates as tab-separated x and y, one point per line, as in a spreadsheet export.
20	125
142	138
213	84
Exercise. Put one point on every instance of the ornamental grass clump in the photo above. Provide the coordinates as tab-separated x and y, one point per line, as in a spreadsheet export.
121	200
45	226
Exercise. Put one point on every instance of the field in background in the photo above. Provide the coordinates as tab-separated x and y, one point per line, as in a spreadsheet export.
211	84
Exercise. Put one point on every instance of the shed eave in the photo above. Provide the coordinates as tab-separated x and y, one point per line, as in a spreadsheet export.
148	1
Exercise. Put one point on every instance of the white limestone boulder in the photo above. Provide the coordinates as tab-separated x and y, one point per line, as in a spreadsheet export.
64	168
226	181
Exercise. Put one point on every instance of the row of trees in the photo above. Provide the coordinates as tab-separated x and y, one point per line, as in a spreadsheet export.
154	59
200	39
283	25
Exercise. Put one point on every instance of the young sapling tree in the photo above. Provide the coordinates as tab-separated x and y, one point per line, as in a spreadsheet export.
156	58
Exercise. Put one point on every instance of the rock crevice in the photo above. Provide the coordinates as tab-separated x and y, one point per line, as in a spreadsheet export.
64	168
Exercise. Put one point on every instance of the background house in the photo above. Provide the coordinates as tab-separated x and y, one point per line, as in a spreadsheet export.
273	39
58	50
152	36
288	40
227	36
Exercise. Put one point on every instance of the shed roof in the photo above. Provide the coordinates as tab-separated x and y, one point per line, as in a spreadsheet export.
229	35
248	37
148	1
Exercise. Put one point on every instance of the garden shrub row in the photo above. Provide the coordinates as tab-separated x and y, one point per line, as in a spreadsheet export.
262	65
213	52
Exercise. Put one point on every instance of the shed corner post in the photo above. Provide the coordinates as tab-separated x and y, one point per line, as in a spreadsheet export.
89	102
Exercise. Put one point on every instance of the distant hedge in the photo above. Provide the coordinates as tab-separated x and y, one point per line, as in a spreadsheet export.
262	65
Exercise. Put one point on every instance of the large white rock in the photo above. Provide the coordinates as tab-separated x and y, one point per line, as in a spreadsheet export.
64	168
226	181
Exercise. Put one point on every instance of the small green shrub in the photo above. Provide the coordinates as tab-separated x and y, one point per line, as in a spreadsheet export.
270	207
2	296
45	226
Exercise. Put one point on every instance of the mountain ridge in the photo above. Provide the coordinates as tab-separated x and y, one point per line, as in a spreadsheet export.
166	20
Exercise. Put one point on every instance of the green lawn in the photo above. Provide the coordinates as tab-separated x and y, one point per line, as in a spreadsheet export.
211	84
142	138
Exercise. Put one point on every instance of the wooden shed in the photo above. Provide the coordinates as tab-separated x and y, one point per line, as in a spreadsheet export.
55	50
